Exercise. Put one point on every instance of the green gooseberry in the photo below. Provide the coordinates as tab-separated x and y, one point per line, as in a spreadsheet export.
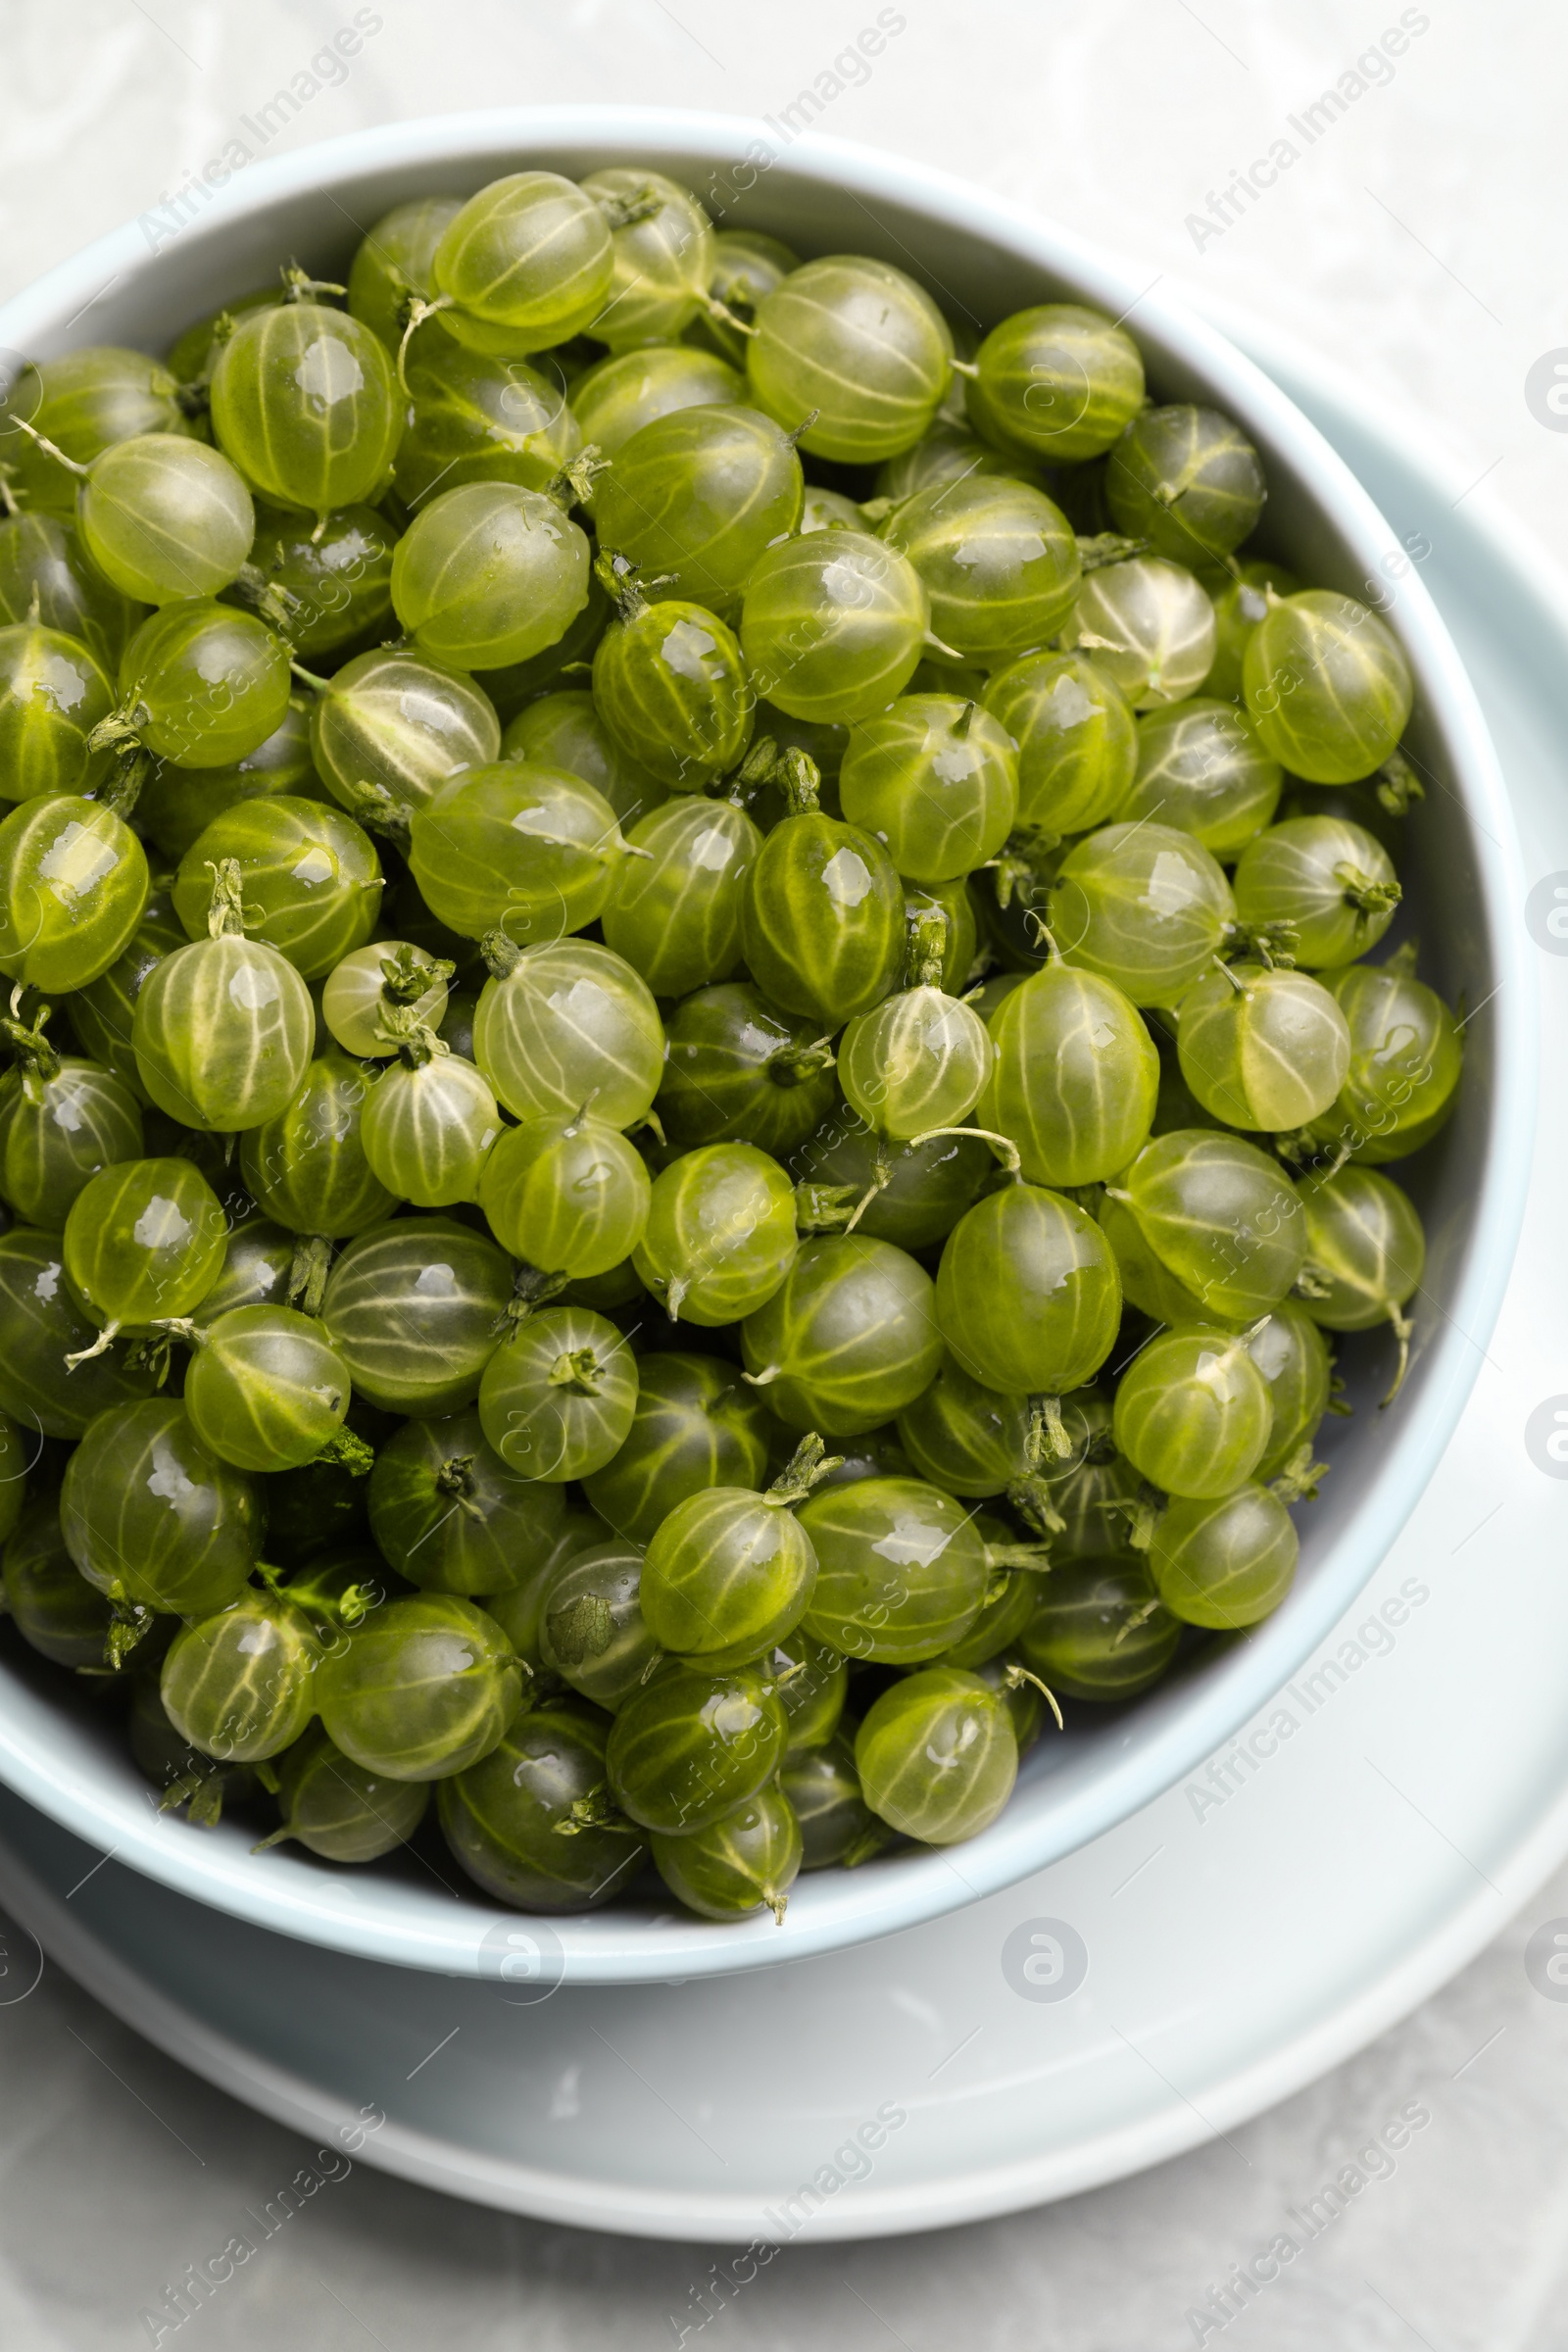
902	1572
1241	593
822	1789
424	1687
823	929
937	1756
848	1339
730	1572
202	684
81	402
1146	1282
143	1241
239	1685
697	497
737	1066
565	1023
833	625
1203	769
266	1388
164	517
257	1270
429	1122
936	781
519	1609
1320	885
999	561
177	804
304	402
1328	686
185	1777
911	1195
62	1121
1221	1217
613	398
307	1166
857	349
1262	1049
524	264
1293	1357
1188	481
557	1396
745	1862
153	1519
1008	1605
917	1062
335	1808
721	1235
448	1514
47	1598
661	256
193	354
1194	1413
747	267
73	884
1143	905
368	983
531	1822
224	1028
1077	744
1224	1562
393	260
390	728
965	1438
1365	1254
43	559
1059	381
530	850
812	1681
696	1427
1101	1631
1149	627
489	573
474	417
691	1744
412	1307
333	578
954	901
670	684
593	1631
676	913
563	729
568	1194
946	454
1028	1298
41	1330
53	694
1073	1076
311	878
1406	1059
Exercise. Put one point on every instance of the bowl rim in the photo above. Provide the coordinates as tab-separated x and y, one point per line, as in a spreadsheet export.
382	1920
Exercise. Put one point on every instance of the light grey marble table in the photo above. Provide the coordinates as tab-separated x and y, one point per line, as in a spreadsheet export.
1416	237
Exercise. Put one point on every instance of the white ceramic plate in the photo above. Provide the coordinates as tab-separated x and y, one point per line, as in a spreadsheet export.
1372	1828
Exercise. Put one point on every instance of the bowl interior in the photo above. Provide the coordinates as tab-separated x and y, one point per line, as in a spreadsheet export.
980	260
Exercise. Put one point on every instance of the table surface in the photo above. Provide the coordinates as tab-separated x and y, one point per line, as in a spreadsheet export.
1405	241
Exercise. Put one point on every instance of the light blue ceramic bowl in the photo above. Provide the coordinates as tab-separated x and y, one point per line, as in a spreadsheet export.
981	258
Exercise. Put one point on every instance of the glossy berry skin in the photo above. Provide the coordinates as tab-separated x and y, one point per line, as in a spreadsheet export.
527	261
53	693
697	497
520	1610
999	561
40	1326
449	1515
1028	1296
239	1685
915	1061
427	1129
403	725
901	1572
848	1340
307	1165
918	1194
143	1241
489	573
1263	1049
1328	686
670	684
691	1744
812	1681
176	804
1224	1563
1294	1358
1146	906
1188	481
861	344
593	1634
1149	626
165	517
721	1235
569	1195
1203	769
412	1307
1323	883
1221	1217
695	1427
72	886
477	418
728	1574
394	260
204	685
946	454
833	625
615	398
355	1006
258	1262
1405	1060
1366	1242
563	729
1077	745
1194	1413
531	851
937	1756
822	1789
661	248
501	1816
85	401
1094	1633
223	1032
558	1396
570	1023
1240	593
152	1518
936	781
424	1687
306	404
823	930
744	1863
59	1127
1073	1076
334	581
740	1067
676	913
333	1807
1059	381
48	1599
311	876
965	1438
43	557
265	1389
